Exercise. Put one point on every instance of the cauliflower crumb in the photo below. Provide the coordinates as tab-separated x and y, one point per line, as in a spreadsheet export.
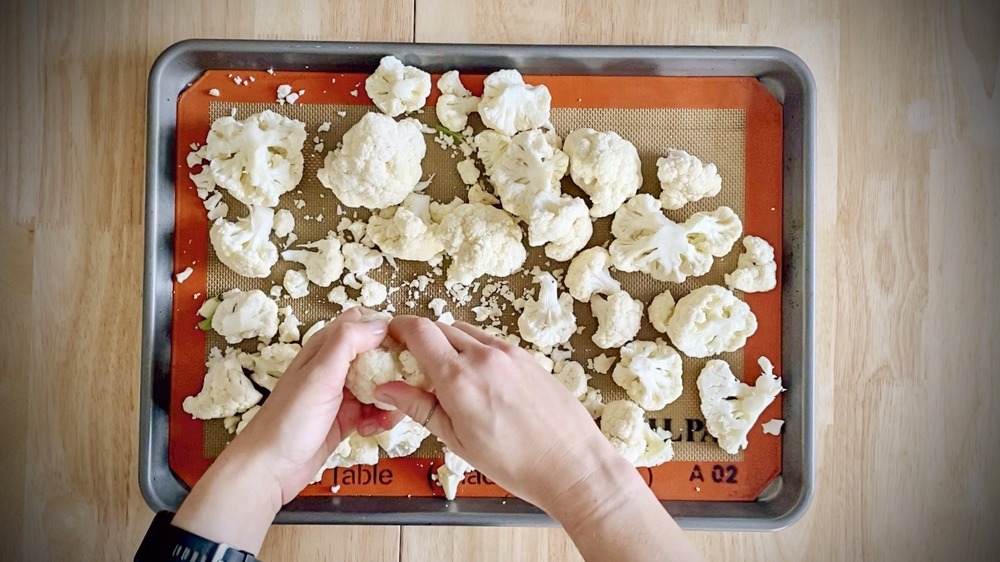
603	363
214	92
772	427
183	275
324	127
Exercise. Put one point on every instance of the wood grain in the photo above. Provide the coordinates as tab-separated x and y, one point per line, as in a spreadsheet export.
908	197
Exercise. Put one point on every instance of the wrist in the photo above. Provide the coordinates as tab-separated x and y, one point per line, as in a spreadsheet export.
234	502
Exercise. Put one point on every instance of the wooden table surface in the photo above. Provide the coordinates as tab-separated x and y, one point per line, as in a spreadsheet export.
908	194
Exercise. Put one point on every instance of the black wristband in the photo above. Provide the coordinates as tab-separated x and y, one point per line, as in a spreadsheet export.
165	543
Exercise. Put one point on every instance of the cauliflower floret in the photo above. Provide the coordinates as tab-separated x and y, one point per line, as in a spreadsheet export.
618	319
397	89
360	259
660	311
455	103
684	179
659	448
731	407
353	450
403	439
561	222
481	240
646	240
452	472
440	210
622	423
650	373
323	266
406	232
373	293
713	233
548	321
244	315
531	165
288	329
509	105
490	147
756	270
468	171
379	366
284	223
573	377
378	164
243	246
589	273
710	320
605	166
268	364
479	194
226	390
593	402
256	159
295	283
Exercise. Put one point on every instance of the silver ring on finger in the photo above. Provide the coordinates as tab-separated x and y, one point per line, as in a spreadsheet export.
430	414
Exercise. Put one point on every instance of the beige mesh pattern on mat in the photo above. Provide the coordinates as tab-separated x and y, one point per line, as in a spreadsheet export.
714	135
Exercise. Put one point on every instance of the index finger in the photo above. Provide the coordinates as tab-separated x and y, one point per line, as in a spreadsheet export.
425	340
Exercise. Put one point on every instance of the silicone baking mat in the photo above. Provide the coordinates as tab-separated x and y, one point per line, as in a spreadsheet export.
733	122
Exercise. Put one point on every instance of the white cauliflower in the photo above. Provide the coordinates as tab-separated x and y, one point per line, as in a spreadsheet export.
530	166
646	240
226	390
713	232
479	194
270	362
659	448
373	293
256	159
452	472
406	232
589	273
244	245
573	377
660	311
684	179
549	320
490	147
360	259
650	373
710	320
288	329
403	439
284	223
481	240
468	171
605	166
509	105
622	423
244	315
593	402
731	407
397	89
562	223
618	319
378	164
295	283
324	265
756	270
380	366
352	451
455	103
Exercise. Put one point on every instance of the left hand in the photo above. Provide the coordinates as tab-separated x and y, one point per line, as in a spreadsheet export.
303	420
309	412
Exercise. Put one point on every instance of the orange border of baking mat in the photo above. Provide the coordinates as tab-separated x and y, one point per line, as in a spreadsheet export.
411	477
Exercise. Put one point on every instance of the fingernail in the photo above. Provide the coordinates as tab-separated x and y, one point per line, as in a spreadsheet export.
367	428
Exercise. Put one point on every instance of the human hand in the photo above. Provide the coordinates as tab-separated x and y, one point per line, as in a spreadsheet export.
500	411
306	416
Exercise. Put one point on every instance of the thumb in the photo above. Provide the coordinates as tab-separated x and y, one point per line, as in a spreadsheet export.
420	405
350	335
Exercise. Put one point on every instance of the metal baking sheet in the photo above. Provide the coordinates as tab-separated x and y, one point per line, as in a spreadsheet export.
781	73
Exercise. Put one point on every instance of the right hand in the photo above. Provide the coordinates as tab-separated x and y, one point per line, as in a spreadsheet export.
499	411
